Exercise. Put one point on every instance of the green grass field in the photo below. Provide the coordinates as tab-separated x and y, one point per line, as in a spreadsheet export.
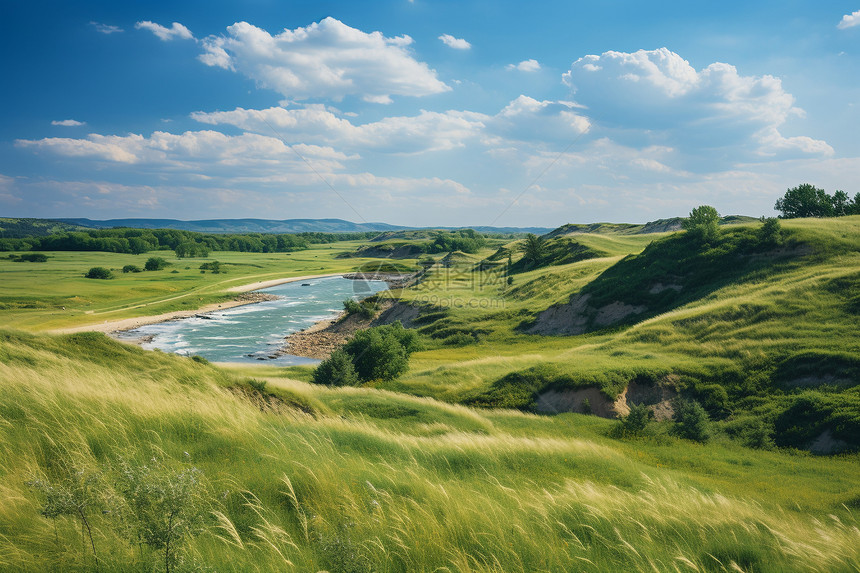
32	295
366	480
401	476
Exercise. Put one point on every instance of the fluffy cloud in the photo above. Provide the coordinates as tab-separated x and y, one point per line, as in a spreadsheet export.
68	123
525	66
456	43
428	131
656	94
849	20
176	31
194	152
106	28
524	119
326	59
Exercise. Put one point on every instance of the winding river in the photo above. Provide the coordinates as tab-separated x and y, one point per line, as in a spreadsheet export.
256	331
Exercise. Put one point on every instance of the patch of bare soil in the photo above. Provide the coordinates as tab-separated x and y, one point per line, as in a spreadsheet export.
323	338
578	315
658	397
269	403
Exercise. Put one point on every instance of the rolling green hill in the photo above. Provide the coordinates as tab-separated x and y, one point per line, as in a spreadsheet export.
483	456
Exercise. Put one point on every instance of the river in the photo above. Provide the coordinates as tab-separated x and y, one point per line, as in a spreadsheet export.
256	331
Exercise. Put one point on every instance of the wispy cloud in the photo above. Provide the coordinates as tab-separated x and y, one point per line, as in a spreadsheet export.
525	66
176	31
106	28
68	122
456	43
849	20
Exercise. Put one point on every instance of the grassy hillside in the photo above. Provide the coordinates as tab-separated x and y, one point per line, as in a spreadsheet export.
758	332
286	476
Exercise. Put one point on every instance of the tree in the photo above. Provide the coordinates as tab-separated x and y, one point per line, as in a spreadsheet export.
804	201
155	264
382	352
534	248
99	273
770	233
75	492
137	245
691	420
840	204
167	505
337	370
703	222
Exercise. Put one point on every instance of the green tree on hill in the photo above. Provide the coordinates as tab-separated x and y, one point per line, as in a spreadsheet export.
703	221
804	201
534	248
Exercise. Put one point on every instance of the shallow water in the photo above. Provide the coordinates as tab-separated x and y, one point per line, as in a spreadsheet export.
255	331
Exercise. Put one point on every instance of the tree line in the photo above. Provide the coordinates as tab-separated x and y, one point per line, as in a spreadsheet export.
807	200
185	243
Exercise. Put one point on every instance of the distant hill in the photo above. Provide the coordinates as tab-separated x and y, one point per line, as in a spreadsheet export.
658	226
239	225
274	226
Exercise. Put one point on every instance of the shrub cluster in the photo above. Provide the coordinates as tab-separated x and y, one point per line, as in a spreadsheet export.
378	353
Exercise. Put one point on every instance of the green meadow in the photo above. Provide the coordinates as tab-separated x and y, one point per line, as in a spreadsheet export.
117	459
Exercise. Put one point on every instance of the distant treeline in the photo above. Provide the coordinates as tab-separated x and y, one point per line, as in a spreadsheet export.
809	201
185	243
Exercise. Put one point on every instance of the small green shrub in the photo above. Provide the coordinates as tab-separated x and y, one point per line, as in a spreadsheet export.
131	269
691	421
635	422
32	258
155	264
99	273
337	370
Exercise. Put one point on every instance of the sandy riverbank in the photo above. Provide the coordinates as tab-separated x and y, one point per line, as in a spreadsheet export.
247	297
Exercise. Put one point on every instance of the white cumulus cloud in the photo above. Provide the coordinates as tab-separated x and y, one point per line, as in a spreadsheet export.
176	31
68	122
849	20
656	94
525	66
456	43
327	59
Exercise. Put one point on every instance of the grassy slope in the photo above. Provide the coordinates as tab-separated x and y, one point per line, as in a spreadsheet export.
375	481
766	316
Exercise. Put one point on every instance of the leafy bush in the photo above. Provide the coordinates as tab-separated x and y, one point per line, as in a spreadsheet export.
99	273
691	421
365	309
32	258
337	370
131	269
166	505
635	422
381	353
155	264
770	233
214	266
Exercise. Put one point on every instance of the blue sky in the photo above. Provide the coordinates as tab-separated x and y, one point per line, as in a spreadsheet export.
424	113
